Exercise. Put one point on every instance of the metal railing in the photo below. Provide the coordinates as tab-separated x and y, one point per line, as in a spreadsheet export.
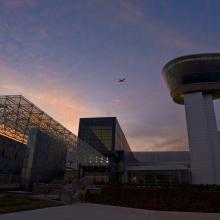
66	193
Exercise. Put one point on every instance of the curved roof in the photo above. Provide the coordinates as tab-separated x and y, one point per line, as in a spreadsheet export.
193	73
18	116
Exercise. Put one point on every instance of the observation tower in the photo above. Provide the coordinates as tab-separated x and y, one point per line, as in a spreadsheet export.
194	81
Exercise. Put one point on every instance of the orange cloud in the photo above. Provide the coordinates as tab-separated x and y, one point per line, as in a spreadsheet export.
153	134
57	103
63	108
175	142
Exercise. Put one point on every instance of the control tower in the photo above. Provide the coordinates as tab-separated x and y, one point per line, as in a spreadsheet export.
194	81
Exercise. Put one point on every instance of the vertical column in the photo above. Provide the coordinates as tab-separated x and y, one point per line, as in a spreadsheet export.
202	134
214	135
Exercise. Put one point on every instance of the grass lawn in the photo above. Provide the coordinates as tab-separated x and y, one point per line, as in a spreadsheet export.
14	204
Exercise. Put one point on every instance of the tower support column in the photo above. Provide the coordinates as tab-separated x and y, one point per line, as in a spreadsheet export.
204	140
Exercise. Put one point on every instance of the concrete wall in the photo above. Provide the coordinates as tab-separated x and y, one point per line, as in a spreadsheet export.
45	159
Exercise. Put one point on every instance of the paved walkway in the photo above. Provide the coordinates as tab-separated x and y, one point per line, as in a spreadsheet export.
104	212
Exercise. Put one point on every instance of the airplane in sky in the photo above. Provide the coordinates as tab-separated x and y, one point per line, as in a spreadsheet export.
121	80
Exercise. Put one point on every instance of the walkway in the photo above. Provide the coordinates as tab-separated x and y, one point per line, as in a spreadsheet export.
104	212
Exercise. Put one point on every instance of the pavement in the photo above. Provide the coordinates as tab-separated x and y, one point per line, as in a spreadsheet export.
84	211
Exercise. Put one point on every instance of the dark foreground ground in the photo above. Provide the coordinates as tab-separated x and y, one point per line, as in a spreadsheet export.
164	199
14	204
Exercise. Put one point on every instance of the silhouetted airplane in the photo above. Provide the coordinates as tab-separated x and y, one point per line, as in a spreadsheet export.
121	80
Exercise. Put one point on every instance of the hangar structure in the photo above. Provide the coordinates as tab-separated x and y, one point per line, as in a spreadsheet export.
18	116
35	145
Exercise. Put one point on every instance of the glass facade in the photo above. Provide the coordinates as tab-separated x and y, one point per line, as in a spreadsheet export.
120	140
98	133
104	134
101	133
159	177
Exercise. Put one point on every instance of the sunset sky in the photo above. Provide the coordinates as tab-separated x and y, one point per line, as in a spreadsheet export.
66	56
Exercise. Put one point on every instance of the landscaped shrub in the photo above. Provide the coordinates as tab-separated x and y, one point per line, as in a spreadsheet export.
190	198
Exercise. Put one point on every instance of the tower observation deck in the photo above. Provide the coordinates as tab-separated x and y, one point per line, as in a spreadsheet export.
194	81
